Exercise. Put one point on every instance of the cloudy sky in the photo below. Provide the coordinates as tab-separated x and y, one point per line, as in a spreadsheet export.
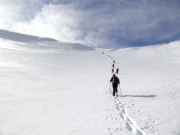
97	23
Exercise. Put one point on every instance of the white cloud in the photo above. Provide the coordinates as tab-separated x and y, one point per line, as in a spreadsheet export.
55	21
8	14
99	23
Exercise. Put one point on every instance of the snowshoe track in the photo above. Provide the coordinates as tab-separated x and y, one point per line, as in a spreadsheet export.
130	122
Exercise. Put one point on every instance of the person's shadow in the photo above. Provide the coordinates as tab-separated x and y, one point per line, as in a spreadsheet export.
141	96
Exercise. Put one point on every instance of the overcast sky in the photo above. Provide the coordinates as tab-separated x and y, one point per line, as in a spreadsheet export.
97	23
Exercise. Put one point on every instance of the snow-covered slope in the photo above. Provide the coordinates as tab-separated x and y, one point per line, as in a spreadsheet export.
150	82
40	42
54	88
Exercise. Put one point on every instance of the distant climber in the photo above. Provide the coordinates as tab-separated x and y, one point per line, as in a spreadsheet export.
113	61
115	81
112	65
117	70
102	52
112	70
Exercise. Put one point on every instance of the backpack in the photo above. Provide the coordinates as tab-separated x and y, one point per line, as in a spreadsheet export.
114	80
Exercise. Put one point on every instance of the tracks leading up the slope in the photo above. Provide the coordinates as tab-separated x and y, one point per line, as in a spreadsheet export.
130	122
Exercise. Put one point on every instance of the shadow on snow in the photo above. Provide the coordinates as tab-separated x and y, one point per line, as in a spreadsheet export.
143	96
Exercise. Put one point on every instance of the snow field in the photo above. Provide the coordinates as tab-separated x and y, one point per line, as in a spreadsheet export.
57	92
150	84
52	88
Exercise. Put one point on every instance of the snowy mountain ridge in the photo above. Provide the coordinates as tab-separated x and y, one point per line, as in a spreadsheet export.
41	42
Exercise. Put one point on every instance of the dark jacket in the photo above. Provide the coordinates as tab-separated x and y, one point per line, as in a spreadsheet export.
115	80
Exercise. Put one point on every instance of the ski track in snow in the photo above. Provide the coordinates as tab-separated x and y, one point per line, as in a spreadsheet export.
130	124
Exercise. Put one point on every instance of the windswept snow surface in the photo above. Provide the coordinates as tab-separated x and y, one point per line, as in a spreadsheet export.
53	88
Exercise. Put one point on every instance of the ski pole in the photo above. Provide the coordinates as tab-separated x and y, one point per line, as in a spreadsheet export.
110	87
120	90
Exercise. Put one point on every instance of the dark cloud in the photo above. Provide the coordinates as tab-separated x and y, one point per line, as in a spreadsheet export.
101	23
134	22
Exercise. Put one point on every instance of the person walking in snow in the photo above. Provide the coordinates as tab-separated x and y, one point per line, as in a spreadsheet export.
115	81
112	70
117	70
113	61
112	65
